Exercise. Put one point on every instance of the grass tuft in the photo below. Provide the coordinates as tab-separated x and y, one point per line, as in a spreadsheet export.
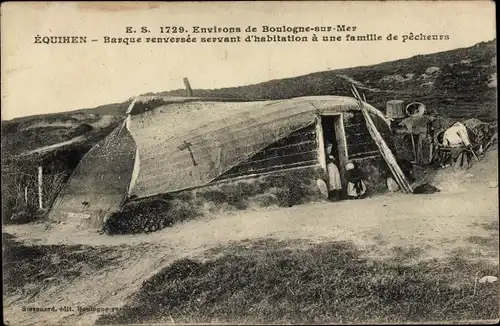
29	269
403	254
490	242
491	226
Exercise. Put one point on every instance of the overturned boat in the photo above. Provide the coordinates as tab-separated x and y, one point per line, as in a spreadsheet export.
188	143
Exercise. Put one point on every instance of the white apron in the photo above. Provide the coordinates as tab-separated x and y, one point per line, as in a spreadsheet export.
334	182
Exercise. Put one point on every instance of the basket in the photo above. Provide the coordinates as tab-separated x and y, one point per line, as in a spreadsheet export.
415	109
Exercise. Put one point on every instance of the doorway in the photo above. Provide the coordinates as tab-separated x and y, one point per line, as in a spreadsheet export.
334	142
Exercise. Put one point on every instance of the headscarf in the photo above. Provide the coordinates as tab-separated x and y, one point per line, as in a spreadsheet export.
330	159
352	173
328	148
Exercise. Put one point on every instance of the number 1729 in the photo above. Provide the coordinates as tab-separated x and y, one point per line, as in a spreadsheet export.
172	29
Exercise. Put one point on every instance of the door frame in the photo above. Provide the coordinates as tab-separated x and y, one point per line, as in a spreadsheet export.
341	143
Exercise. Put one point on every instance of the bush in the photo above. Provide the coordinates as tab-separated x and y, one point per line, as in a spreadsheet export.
149	215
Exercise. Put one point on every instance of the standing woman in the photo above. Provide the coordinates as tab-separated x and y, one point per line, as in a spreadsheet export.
334	183
356	187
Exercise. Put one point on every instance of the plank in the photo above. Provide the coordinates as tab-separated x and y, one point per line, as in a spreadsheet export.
384	149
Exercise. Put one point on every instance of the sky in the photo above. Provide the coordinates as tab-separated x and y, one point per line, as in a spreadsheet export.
48	78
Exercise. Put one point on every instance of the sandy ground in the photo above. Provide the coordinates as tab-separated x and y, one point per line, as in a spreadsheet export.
436	226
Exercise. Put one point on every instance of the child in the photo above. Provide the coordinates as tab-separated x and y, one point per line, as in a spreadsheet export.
356	186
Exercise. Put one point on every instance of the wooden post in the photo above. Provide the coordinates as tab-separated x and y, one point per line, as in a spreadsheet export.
189	91
40	184
413	146
420	148
474	154
321	143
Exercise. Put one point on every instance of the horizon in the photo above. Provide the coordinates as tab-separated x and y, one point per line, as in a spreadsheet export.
111	75
232	86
